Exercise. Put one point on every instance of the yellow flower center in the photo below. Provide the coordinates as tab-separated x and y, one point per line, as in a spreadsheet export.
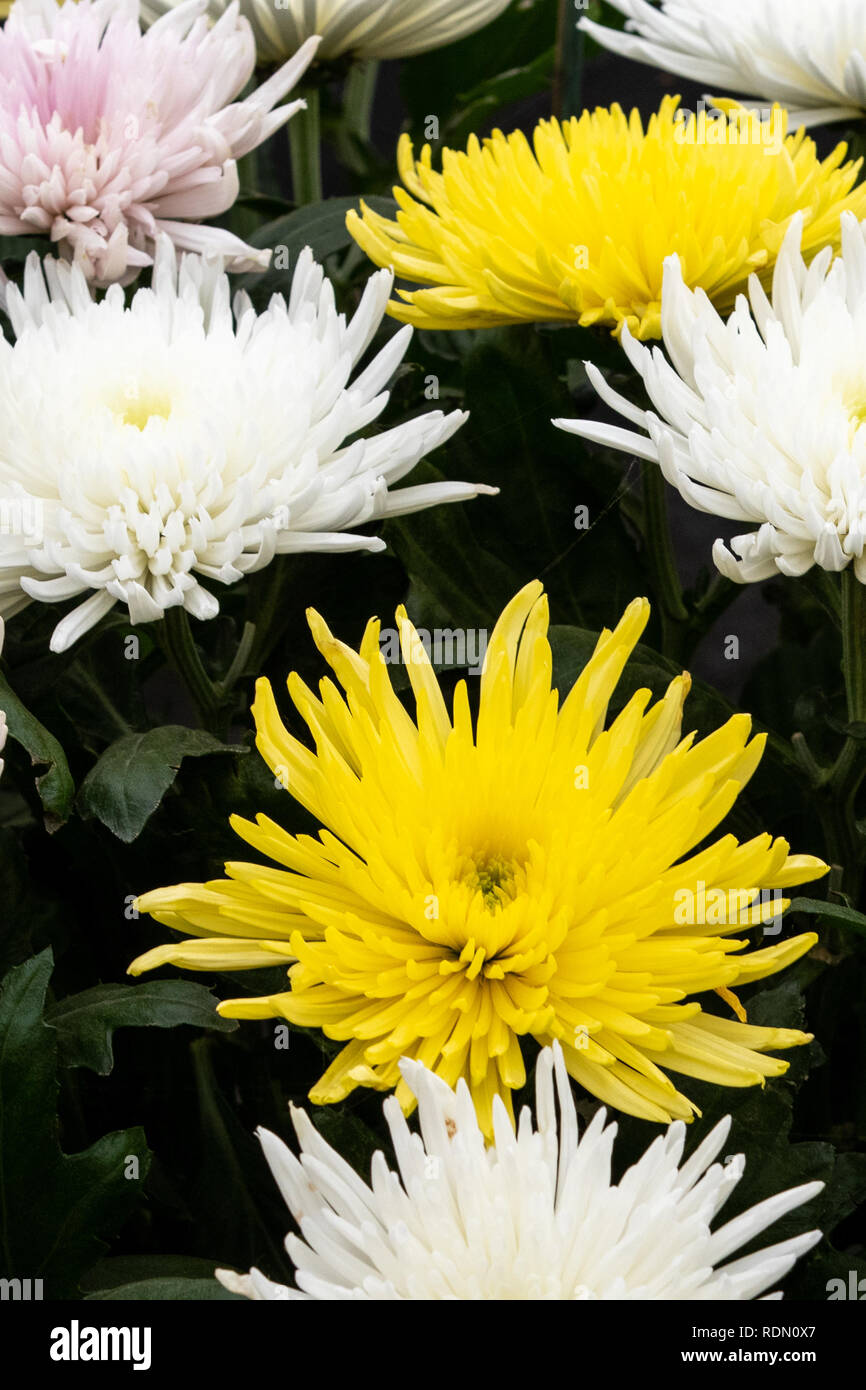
494	879
854	401
136	408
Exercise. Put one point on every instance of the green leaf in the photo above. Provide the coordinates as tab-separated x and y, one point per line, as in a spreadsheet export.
86	1022
488	97
321	226
129	781
818	1278
252	1223
439	549
14	249
264	203
796	687
54	1207
533	529
119	1271
515	39
55	787
167	1291
30	912
572	648
837	911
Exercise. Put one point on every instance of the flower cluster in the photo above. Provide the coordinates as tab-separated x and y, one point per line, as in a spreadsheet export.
548	858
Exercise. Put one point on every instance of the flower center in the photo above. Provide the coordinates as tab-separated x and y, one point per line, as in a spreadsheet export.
854	402
494	878
136	408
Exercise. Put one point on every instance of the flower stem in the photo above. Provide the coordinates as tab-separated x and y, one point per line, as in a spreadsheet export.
176	639
854	644
305	148
568	72
239	664
717	599
825	591
266	609
847	841
358	98
662	563
99	695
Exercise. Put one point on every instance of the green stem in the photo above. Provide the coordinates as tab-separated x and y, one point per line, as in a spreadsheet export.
358	98
825	591
717	599
662	562
568	73
266	597
176	639
99	695
239	664
305	148
807	761
846	842
854	644
719	596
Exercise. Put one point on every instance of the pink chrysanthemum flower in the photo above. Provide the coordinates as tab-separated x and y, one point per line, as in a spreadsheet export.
110	136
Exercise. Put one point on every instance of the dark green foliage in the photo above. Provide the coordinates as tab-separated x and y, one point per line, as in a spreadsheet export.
110	789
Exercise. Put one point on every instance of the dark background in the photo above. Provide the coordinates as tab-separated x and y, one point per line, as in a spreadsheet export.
199	1094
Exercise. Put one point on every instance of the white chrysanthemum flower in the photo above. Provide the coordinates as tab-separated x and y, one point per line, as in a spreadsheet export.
535	1216
806	56
110	137
362	28
761	419
143	447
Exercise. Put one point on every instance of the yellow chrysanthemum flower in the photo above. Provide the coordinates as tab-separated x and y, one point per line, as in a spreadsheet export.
579	229
475	886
